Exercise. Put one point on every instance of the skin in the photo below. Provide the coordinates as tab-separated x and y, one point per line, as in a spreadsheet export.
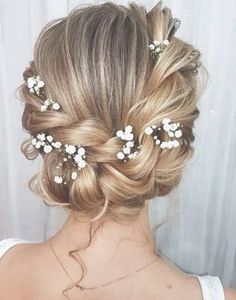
31	271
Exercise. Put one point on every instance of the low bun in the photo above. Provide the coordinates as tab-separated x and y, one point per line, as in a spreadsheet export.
102	83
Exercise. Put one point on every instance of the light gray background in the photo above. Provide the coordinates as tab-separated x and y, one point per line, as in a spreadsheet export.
200	233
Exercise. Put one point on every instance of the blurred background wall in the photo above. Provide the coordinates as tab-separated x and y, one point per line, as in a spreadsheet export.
199	234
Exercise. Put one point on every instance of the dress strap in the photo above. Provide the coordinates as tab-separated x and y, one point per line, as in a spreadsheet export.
212	288
6	244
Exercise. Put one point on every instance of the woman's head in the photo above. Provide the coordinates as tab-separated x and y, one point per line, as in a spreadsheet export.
96	64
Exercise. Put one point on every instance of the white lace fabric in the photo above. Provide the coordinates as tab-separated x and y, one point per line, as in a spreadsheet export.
211	286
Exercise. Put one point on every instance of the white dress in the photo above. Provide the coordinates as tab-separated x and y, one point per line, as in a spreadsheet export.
211	286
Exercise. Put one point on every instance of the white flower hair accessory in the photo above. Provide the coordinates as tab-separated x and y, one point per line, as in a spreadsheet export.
46	142
74	153
127	149
157	47
50	104
35	84
173	130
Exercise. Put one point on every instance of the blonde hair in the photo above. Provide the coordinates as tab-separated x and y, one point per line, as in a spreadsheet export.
96	64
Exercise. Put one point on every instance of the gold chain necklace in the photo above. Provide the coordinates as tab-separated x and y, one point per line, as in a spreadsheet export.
102	285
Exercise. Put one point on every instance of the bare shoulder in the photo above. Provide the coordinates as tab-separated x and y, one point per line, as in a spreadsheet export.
19	255
230	294
175	283
15	267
